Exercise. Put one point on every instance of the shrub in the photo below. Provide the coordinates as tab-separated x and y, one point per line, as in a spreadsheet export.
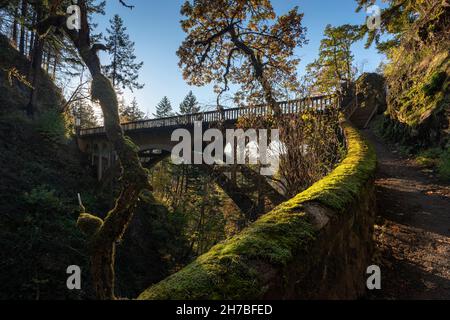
42	198
444	165
38	244
429	158
438	159
52	127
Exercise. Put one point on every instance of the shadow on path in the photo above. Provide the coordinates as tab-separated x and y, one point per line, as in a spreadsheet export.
413	229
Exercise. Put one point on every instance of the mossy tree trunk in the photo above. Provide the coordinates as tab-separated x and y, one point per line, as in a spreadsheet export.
105	233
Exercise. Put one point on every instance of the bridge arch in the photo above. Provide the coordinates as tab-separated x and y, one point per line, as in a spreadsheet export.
156	134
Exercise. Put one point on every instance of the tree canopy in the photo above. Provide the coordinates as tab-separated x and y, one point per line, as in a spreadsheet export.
417	18
189	104
132	113
123	69
335	62
241	42
164	109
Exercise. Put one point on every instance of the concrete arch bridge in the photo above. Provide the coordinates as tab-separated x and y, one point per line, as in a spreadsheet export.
153	137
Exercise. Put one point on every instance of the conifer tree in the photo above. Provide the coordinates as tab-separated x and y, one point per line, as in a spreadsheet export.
132	112
415	19
189	104
123	69
335	62
164	109
84	111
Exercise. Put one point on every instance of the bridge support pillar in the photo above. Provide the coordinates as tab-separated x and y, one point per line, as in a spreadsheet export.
108	158
100	162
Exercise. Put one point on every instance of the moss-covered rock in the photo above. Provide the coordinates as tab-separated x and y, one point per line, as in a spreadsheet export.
419	96
267	258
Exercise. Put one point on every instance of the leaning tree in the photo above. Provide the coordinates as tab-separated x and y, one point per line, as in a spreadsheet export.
241	42
104	233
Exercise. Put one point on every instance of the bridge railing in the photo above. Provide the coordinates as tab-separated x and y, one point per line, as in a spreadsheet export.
287	107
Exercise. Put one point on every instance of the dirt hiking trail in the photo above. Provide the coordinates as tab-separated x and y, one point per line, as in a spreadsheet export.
413	229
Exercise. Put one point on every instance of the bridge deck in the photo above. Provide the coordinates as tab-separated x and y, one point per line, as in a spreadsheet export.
287	107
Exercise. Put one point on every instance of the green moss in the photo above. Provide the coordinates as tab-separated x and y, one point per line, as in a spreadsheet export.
89	224
343	185
131	144
444	165
227	271
437	159
230	269
435	84
418	92
52	127
429	158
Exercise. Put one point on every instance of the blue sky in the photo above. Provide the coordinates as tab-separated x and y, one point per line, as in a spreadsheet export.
154	26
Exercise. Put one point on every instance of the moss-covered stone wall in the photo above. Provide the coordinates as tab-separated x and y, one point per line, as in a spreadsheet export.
418	113
314	246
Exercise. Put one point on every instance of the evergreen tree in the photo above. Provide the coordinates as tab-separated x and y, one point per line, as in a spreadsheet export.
396	17
189	104
414	20
84	111
164	109
132	112
123	69
335	62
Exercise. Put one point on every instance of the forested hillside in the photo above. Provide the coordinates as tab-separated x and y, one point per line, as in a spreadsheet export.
42	172
416	42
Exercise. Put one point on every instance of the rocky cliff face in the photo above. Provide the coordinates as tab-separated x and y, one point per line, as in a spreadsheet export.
418	78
